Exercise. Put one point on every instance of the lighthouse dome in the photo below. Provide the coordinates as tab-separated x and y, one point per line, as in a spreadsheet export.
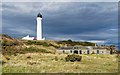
39	15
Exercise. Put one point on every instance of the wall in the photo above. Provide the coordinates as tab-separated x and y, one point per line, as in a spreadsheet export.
101	51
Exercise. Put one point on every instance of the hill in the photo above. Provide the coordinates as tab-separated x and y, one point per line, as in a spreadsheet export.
11	46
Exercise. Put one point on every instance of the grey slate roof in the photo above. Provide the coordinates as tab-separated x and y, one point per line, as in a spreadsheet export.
80	48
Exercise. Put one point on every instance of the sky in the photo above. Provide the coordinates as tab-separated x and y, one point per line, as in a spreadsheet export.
60	1
79	21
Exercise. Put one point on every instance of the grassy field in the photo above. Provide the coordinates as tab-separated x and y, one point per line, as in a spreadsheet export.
23	56
55	63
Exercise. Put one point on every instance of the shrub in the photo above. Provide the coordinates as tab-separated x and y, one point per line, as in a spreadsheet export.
5	35
2	62
7	58
28	56
37	43
30	49
56	58
5	42
15	54
73	58
93	52
31	63
43	43
34	49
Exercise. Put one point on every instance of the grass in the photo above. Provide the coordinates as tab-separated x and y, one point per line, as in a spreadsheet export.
47	63
22	56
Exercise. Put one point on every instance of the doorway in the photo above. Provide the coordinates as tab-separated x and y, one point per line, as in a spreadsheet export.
75	52
88	52
97	51
80	52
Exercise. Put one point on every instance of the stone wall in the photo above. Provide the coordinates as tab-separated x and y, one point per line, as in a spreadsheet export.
93	51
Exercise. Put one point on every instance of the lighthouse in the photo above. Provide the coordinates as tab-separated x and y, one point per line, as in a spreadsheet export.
39	30
39	27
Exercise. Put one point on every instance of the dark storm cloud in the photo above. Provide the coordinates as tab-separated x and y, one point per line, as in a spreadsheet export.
62	20
88	20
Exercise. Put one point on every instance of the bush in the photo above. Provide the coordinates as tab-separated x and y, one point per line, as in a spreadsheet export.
56	58
34	49
28	56
73	58
2	62
31	63
30	49
43	43
7	58
37	43
93	52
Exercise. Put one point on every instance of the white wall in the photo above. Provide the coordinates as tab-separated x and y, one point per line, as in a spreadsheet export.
39	28
28	38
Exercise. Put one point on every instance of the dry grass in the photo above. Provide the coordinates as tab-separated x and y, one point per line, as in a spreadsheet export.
47	63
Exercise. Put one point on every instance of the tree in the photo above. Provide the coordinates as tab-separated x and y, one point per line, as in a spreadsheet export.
69	40
112	49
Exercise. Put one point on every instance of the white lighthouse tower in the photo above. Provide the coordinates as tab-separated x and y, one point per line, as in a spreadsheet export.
39	27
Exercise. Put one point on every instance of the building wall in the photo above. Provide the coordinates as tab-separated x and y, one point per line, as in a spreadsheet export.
28	38
84	51
65	51
101	51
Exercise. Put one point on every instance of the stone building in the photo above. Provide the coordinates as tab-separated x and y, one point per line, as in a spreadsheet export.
83	50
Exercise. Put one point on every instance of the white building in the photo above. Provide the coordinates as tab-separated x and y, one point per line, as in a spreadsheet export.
39	30
28	38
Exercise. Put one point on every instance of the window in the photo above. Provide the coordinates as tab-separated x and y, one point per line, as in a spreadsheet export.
75	47
93	52
63	51
80	52
88	51
75	52
102	51
97	51
70	51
